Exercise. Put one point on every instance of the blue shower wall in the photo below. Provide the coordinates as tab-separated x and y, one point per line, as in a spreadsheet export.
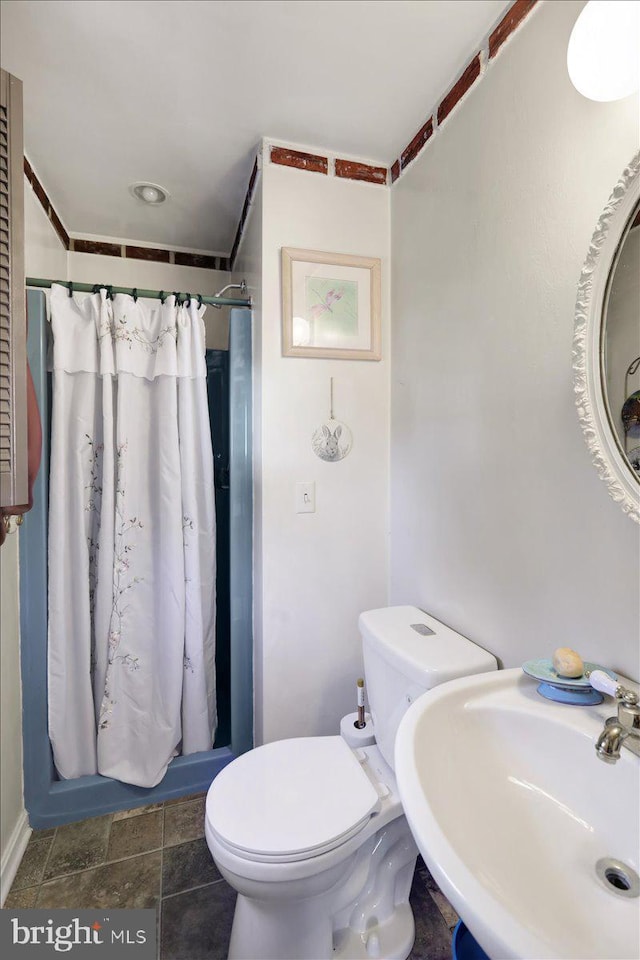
49	801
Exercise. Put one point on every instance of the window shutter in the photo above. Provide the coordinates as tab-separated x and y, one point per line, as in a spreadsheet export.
13	325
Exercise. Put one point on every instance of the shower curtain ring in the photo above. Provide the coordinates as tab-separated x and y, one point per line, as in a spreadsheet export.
70	288
97	287
162	296
199	299
110	291
134	294
188	301
176	294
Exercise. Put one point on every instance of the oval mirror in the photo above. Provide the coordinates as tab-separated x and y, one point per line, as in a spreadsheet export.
606	345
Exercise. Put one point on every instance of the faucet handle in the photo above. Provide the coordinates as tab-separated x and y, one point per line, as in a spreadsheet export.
602	682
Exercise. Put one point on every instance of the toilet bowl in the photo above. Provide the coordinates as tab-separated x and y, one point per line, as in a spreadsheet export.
319	851
311	832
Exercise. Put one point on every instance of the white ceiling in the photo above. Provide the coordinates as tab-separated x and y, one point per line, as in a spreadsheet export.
180	92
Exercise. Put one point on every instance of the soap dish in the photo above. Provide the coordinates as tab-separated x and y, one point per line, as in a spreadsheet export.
575	690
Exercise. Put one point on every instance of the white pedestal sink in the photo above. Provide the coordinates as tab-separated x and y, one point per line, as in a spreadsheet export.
511	809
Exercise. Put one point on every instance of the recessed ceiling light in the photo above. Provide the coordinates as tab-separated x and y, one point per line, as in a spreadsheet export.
148	192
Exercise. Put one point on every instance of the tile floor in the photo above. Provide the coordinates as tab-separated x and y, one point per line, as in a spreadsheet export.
156	856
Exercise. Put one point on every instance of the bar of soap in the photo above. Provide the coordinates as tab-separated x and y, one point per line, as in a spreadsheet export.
567	663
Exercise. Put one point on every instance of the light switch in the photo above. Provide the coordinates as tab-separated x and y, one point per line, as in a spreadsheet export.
306	497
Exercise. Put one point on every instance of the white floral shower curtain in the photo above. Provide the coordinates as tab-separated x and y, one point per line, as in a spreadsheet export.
131	538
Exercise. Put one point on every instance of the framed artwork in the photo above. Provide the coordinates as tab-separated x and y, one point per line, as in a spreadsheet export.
330	305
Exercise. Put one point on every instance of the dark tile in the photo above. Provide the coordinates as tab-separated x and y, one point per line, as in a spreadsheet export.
353	170
190	796
31	869
136	811
422	871
187	865
128	884
197	925
514	15
21	899
433	937
424	876
460	87
37	835
184	821
135	835
447	912
77	846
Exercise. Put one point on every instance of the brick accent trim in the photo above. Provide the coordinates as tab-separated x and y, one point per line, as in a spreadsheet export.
59	228
245	213
514	16
512	19
202	260
413	149
147	253
99	247
353	170
458	90
297	158
46	204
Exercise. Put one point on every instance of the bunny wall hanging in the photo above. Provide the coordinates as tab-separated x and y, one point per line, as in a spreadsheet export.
332	441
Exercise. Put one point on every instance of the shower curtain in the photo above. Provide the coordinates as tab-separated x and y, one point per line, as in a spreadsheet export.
131	538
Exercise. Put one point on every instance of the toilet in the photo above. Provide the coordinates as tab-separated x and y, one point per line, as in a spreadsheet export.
311	832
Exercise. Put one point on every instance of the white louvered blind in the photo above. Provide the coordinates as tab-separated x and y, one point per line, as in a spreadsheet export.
13	378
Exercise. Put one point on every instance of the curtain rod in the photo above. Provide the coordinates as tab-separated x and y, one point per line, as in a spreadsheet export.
148	294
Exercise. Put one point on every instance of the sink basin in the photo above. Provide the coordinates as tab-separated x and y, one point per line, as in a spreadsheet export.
511	810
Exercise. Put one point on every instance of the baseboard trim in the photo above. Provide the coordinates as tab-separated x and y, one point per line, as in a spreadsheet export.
13	854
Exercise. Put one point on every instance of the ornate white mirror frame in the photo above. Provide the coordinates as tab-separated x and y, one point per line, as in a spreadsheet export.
593	288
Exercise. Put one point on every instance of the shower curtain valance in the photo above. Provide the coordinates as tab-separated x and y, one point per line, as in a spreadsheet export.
147	339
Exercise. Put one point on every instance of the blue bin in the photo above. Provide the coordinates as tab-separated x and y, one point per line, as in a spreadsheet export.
464	947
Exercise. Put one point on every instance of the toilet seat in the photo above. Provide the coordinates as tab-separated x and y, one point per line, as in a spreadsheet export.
291	800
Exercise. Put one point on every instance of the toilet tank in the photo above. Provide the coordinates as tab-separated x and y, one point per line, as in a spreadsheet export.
407	652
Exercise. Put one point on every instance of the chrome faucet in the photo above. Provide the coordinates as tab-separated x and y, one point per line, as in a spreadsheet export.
623	730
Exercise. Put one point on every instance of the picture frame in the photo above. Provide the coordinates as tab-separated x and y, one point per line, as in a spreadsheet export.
330	305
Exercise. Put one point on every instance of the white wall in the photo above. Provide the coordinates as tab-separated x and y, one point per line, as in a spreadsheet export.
500	525
45	255
319	570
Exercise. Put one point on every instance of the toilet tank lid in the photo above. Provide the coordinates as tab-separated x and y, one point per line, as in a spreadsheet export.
422	647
